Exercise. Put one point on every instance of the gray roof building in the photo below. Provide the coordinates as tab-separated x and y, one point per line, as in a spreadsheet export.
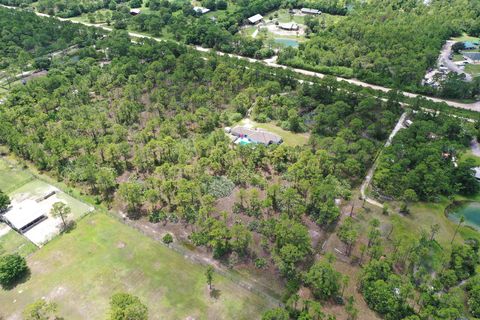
475	56
310	11
256	135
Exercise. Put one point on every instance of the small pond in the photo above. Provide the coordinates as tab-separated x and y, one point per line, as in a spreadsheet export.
470	210
287	42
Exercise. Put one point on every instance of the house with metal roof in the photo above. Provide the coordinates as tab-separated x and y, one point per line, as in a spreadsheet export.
25	216
201	10
255	19
310	11
291	26
134	12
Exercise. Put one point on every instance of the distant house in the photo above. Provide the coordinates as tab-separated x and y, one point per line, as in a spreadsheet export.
255	19
310	11
469	45
246	135
134	12
291	26
201	10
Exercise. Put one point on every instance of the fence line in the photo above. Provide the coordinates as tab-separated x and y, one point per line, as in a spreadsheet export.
173	246
199	260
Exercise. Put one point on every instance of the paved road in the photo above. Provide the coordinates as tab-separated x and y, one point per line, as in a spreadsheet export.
444	59
475	147
468	106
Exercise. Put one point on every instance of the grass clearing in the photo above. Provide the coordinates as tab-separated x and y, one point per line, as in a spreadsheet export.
80	270
473	69
13	242
465	37
289	138
468	155
458	57
423	215
12	177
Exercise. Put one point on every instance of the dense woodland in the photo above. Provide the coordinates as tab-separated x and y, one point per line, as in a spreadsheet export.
400	42
25	41
422	161
389	42
140	127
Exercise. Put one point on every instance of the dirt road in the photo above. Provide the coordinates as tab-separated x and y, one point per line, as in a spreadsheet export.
370	173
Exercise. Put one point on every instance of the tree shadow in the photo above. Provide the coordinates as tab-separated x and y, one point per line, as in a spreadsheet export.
71	225
134	214
22	279
215	293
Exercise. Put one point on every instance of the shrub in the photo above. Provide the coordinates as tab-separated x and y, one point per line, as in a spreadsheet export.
157	216
124	306
12	268
260	263
167	239
220	187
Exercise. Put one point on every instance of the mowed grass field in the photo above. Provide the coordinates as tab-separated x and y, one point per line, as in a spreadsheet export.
12	242
290	138
12	177
80	270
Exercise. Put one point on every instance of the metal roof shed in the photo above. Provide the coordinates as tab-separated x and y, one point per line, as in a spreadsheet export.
25	215
255	19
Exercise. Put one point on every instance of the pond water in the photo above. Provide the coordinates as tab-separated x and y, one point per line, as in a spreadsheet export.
287	42
471	212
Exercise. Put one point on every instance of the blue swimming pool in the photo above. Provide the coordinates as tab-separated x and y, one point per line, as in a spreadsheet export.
243	141
287	42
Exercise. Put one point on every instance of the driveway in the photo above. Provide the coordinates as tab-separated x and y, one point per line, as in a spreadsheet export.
444	59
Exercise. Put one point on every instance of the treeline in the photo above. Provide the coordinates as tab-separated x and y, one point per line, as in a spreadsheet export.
423	160
64	8
391	43
25	37
17	3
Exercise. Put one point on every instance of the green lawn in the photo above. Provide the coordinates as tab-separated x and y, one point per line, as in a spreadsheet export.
473	69
465	37
423	215
470	156
82	269
12	177
458	57
13	242
289	138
